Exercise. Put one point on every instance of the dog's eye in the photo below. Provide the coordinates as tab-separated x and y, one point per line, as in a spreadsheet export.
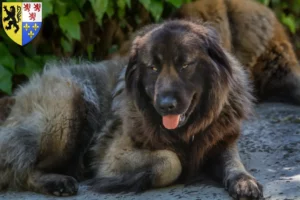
153	68
185	66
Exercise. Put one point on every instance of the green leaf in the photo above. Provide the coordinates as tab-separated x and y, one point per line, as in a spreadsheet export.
80	3
47	8
60	7
110	9
156	9
19	63
30	50
99	7
295	7
90	49
128	2
289	21
67	45
70	24
29	67
146	3
176	3
7	39
76	16
10	44
47	58
265	2
5	80
6	59
121	8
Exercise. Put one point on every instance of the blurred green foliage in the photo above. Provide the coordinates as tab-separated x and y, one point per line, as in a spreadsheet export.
92	29
287	11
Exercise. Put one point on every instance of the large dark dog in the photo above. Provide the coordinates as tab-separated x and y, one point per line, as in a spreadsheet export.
181	112
175	112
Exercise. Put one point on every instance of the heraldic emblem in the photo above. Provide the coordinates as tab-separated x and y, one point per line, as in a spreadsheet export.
22	21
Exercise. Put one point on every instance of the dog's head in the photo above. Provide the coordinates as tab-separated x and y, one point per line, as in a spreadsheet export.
172	68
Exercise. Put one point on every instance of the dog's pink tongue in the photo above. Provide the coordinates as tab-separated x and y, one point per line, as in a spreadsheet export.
171	121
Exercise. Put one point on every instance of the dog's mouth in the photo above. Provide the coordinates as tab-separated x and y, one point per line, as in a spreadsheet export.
174	121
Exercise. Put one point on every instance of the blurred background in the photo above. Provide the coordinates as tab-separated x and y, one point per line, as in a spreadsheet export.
95	29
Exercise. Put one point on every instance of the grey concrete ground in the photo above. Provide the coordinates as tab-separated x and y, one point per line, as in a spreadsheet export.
269	146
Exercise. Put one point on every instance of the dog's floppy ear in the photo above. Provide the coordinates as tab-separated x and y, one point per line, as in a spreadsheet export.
131	75
133	81
215	50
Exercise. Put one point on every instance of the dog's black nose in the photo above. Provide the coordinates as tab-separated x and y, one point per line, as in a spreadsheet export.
167	103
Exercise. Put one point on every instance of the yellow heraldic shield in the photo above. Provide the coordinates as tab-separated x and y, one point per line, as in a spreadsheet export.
12	20
22	21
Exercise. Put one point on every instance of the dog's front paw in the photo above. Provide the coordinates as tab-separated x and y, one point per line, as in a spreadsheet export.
243	186
61	186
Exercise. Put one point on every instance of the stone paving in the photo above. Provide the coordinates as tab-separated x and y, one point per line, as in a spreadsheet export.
269	146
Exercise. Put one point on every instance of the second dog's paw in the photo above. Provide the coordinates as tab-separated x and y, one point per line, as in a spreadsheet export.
61	186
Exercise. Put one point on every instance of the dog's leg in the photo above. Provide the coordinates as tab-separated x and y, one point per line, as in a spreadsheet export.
238	182
53	184
126	168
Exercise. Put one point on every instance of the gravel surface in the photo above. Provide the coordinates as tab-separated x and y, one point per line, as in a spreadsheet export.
269	146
